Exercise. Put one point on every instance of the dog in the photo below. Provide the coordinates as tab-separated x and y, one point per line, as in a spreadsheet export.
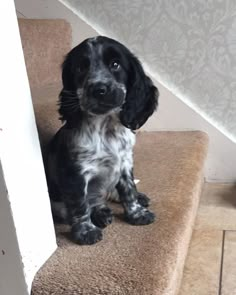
106	96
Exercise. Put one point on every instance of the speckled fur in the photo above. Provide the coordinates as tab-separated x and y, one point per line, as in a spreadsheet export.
91	156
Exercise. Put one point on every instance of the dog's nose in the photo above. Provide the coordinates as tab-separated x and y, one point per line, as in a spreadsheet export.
99	90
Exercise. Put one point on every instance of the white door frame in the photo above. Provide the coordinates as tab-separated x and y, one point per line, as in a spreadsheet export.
27	235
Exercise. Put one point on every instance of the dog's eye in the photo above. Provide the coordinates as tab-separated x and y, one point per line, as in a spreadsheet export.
115	65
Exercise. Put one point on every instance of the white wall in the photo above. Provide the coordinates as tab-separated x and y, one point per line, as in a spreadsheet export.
173	114
26	228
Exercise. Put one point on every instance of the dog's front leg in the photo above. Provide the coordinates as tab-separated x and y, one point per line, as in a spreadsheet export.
135	212
83	231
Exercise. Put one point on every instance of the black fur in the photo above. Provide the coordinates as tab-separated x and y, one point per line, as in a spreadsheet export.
141	100
105	96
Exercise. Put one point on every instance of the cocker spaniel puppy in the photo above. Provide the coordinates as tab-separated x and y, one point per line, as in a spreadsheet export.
105	97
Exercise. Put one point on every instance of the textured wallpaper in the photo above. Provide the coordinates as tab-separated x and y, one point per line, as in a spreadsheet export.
189	46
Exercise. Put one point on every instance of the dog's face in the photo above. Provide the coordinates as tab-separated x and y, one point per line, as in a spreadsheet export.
101	75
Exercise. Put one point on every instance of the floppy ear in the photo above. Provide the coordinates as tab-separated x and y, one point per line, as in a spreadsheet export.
68	100
68	73
141	99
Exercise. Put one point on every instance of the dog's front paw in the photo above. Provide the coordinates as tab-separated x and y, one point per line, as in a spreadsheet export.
143	200
102	216
86	233
140	217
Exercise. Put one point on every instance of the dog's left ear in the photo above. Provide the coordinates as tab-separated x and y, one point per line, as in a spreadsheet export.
141	99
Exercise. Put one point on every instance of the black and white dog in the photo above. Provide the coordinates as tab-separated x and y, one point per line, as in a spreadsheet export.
105	97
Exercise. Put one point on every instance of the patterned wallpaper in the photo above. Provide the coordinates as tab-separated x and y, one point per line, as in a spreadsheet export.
189	46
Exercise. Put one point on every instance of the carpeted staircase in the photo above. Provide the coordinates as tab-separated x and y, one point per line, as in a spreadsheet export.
130	260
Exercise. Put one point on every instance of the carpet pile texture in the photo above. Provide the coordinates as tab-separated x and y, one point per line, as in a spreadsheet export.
135	260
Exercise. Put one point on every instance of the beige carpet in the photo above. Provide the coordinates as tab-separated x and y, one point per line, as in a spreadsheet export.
130	260
134	260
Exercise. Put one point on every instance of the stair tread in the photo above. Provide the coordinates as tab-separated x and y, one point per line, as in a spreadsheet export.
130	260
138	260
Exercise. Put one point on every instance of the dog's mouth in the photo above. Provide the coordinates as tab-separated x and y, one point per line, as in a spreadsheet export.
104	105
102	108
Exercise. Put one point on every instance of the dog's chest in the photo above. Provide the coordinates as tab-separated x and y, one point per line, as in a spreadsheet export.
106	149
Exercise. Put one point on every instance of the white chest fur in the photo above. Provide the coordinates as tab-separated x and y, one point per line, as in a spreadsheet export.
105	149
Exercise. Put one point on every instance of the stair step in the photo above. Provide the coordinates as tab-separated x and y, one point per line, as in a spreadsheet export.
130	260
144	260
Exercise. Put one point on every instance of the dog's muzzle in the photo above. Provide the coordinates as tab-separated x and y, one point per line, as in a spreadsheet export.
103	97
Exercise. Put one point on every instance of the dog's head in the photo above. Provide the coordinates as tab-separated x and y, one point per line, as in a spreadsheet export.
100	76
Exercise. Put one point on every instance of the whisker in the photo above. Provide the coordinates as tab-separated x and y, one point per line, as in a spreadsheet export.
70	107
68	91
68	98
68	102
73	109
69	94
